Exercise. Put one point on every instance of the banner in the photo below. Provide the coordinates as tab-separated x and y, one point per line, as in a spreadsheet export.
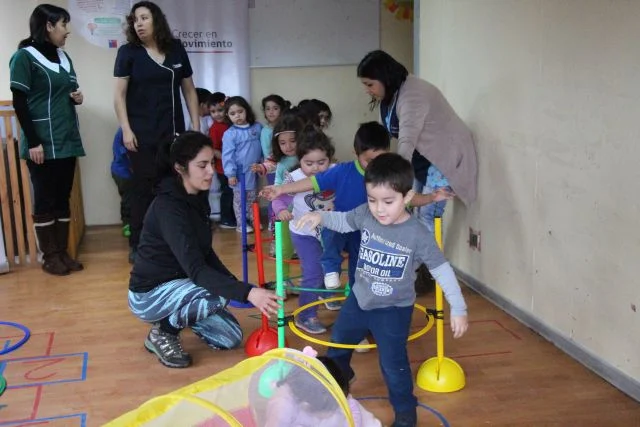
215	34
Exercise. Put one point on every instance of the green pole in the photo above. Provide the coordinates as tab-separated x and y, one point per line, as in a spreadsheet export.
280	284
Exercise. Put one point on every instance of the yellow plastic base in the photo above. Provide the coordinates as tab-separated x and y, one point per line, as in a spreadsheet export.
444	377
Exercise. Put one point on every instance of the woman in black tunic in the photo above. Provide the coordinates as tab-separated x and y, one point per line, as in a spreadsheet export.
150	70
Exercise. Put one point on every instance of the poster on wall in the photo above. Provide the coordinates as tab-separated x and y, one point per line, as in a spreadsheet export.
215	34
100	22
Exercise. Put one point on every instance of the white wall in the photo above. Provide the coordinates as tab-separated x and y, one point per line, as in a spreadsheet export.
550	89
338	86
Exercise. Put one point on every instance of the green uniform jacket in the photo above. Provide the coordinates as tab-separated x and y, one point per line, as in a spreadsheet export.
52	110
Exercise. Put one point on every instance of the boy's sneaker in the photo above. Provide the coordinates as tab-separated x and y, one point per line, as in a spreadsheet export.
312	325
249	229
167	348
332	280
227	225
333	305
406	419
363	350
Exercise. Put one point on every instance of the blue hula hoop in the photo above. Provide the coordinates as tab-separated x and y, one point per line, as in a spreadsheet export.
23	341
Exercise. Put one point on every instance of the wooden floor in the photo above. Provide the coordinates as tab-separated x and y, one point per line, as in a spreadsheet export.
85	364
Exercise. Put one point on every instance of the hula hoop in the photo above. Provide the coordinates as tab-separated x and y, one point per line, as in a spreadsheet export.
306	337
3	385
23	341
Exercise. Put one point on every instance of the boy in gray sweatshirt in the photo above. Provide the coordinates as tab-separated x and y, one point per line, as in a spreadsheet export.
392	246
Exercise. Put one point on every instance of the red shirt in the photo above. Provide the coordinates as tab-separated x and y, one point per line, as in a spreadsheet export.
216	131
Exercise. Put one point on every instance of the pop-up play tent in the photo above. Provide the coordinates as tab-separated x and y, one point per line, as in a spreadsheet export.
248	394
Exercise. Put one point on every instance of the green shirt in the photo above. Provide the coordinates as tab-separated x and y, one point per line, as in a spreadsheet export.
48	87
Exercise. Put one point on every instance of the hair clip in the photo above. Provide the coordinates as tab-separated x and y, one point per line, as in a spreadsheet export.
285	131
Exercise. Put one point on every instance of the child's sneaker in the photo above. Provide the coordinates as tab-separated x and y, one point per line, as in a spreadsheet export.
363	350
333	305
406	419
312	325
227	225
332	280
167	348
249	229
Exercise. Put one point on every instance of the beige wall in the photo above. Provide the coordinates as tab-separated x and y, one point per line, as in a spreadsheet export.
338	86
550	89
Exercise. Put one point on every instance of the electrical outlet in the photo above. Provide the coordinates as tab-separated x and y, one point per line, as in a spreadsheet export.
474	239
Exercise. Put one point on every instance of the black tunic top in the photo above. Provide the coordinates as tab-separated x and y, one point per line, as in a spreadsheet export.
153	101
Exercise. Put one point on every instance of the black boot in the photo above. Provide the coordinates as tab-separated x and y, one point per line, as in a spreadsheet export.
62	239
45	226
425	283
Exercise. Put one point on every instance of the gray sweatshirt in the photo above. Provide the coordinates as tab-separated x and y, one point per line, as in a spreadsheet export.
388	258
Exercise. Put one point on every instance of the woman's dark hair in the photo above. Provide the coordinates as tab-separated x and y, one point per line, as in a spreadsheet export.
312	138
161	30
278	100
41	15
287	123
379	65
336	372
240	101
181	150
216	98
311	108
306	388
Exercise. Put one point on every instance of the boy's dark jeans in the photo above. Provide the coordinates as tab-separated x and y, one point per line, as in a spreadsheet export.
390	328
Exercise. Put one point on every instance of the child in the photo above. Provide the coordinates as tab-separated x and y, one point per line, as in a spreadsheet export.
302	400
205	119
273	106
393	244
121	174
240	149
436	181
284	159
316	112
219	126
315	151
346	179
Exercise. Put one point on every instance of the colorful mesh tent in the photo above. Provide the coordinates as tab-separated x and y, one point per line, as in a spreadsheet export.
246	394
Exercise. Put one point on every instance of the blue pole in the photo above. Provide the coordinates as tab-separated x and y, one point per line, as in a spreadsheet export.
243	215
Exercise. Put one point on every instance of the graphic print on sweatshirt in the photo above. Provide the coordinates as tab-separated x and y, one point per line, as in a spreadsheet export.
382	262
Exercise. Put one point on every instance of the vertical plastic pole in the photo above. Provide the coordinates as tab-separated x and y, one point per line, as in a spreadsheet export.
440	374
280	284
243	216
259	254
437	228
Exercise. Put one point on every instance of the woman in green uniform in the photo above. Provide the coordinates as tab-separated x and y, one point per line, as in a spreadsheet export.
45	94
